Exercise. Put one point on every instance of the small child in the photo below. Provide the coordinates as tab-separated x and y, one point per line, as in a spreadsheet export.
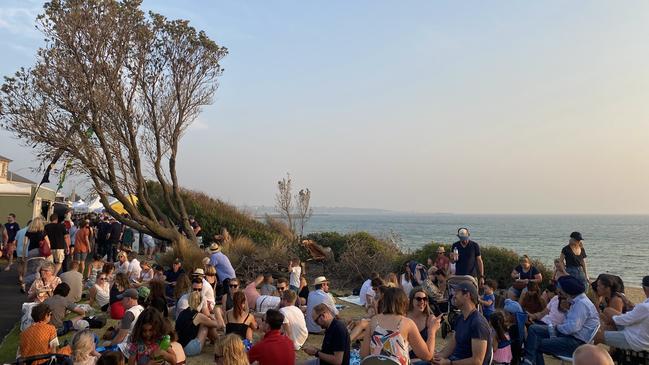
177	347
144	345
501	342
294	278
488	299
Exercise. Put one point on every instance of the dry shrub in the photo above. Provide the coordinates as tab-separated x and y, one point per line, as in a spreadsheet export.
362	257
280	227
250	259
191	255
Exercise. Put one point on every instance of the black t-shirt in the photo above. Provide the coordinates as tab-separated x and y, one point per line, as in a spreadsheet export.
172	276
103	230
56	233
115	233
161	305
573	260
185	327
336	339
473	327
35	239
466	264
114	292
12	229
194	225
527	275
304	293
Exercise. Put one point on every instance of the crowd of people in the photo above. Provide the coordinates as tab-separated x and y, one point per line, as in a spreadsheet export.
168	314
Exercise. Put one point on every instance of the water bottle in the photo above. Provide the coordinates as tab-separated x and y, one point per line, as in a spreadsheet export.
456	254
552	331
165	343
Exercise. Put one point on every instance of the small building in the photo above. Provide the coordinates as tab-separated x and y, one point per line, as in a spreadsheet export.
15	194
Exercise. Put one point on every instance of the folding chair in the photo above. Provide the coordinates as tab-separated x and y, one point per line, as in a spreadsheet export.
568	359
379	360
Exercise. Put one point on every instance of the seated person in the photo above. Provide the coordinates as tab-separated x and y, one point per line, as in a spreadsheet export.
274	348
335	344
59	304
40	338
633	326
611	298
267	288
523	274
578	328
554	314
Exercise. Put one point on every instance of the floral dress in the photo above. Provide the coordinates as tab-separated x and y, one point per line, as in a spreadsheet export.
142	351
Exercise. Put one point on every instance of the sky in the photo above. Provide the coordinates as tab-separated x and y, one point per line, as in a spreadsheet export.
423	106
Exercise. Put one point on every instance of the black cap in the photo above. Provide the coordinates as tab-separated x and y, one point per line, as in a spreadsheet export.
576	236
645	281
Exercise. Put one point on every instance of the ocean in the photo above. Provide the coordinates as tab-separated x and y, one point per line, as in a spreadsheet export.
618	244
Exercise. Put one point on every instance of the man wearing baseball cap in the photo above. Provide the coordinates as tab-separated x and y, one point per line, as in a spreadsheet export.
133	310
472	336
319	295
466	256
633	326
582	320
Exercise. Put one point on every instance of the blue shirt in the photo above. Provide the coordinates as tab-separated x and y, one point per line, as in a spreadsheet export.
223	266
20	237
475	326
581	320
488	310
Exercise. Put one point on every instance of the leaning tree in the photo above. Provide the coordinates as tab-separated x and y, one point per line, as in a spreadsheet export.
112	92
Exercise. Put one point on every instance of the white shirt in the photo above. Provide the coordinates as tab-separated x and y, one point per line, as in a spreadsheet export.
294	317
555	316
134	270
294	277
367	286
183	303
266	302
208	294
315	298
406	285
636	326
121	267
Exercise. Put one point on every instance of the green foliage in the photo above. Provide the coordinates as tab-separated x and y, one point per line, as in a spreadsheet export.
214	215
499	262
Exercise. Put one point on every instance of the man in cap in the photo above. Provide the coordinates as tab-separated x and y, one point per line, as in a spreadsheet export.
633	326
132	312
467	260
472	336
224	269
582	320
171	276
318	296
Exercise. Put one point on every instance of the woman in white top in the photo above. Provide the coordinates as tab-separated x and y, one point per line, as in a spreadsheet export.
100	292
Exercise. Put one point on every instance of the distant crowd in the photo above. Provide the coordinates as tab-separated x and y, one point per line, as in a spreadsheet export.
82	269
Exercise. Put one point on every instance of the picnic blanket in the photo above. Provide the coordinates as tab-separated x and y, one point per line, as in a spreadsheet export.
353	299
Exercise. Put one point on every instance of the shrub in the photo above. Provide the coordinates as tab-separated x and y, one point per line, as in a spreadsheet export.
250	259
499	262
191	255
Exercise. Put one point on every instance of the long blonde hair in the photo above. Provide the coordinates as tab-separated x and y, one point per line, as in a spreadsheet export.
37	225
83	343
231	351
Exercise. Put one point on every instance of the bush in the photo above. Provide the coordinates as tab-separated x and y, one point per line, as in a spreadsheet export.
250	259
191	255
498	262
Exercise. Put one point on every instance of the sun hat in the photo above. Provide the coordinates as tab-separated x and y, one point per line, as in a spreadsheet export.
199	271
576	236
128	293
571	285
214	247
441	249
319	280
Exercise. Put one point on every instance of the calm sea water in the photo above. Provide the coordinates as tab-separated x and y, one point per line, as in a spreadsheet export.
615	244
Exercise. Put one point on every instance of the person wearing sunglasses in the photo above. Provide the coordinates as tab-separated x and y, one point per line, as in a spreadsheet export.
419	311
231	286
194	327
336	341
99	294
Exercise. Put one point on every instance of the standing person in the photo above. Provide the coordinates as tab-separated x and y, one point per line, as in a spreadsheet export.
35	234
114	236
198	231
466	256
149	245
295	269
336	341
502	342
11	228
59	241
224	268
472	336
488	299
573	255
22	255
128	237
82	245
103	231
319	296
442	261
294	323
391	333
274	348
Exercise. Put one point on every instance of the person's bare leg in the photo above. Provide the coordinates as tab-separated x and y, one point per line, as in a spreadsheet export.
359	329
202	334
82	266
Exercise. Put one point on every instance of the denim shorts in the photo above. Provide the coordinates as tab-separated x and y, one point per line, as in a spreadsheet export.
80	256
193	348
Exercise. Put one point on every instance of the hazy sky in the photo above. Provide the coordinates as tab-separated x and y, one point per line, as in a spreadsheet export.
426	106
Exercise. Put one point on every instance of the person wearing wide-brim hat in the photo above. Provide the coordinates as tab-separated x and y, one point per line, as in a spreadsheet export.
318	296
224	270
442	262
573	256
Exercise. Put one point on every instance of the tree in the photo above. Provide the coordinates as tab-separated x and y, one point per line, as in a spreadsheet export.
304	211
284	201
113	90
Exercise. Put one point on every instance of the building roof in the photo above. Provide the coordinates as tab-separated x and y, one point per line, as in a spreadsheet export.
2	158
13	177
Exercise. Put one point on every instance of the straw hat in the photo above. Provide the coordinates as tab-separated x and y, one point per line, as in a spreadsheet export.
200	272
441	249
319	280
214	248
